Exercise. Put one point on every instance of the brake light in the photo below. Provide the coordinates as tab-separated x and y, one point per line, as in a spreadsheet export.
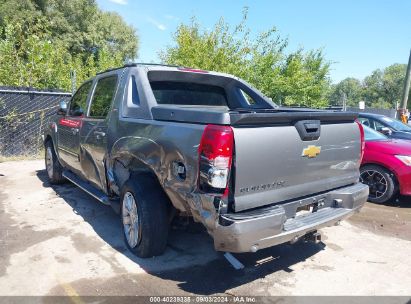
215	158
193	70
362	139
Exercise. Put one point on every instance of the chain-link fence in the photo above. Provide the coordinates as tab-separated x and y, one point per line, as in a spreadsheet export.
387	112
24	113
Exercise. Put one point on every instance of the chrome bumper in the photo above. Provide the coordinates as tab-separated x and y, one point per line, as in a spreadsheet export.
249	232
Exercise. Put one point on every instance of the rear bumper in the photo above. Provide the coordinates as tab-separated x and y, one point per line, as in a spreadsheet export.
266	227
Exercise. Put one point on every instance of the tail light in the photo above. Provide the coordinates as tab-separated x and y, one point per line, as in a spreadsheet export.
362	139
215	159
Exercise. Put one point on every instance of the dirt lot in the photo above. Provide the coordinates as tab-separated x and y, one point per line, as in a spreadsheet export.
60	241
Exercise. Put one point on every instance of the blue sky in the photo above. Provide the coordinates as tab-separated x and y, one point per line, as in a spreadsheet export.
357	36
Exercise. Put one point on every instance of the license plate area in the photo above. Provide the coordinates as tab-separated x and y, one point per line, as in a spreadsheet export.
301	210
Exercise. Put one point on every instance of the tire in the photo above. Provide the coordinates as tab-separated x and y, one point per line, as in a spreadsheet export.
382	183
53	166
150	225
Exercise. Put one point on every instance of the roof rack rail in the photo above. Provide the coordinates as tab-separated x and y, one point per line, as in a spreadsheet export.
154	64
109	70
134	64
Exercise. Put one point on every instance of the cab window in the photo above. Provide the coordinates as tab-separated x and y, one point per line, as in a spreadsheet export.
103	96
132	91
78	103
247	98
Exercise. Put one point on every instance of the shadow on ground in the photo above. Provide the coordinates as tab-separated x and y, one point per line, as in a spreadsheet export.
190	260
399	201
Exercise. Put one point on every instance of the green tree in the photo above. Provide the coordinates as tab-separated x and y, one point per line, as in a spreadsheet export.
41	41
383	88
299	78
116	36
304	80
372	90
393	83
349	88
79	25
30	58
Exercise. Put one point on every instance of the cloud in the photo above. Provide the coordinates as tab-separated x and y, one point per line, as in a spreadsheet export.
171	17
121	2
157	24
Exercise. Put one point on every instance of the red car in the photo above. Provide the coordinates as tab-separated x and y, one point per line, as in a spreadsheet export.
386	166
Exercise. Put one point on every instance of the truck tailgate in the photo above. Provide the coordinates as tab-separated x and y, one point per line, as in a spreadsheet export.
273	163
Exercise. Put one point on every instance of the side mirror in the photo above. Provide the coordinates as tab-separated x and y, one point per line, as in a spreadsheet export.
386	131
77	111
62	110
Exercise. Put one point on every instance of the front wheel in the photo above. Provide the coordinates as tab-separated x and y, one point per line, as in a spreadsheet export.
381	182
144	212
53	166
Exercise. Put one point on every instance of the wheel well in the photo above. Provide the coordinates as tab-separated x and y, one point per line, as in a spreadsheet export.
136	168
124	167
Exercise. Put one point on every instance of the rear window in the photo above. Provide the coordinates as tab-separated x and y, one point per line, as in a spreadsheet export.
185	93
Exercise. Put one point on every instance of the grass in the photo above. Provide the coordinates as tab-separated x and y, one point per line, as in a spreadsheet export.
40	155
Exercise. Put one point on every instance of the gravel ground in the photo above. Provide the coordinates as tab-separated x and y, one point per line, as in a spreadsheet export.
59	241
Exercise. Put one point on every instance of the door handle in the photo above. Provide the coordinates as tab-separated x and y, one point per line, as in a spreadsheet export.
99	134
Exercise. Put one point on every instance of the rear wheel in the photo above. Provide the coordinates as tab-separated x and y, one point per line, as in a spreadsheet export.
53	166
144	212
381	182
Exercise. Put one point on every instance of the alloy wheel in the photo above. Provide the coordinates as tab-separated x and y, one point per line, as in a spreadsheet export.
376	182
49	162
130	220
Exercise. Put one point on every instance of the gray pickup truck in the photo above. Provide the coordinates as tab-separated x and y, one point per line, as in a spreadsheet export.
156	141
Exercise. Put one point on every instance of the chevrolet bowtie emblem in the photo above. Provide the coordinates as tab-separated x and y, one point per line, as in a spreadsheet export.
311	151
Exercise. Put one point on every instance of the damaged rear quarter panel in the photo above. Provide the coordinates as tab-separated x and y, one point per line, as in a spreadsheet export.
157	146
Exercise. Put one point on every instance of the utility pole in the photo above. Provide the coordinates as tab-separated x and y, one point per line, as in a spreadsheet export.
73	77
344	102
403	108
